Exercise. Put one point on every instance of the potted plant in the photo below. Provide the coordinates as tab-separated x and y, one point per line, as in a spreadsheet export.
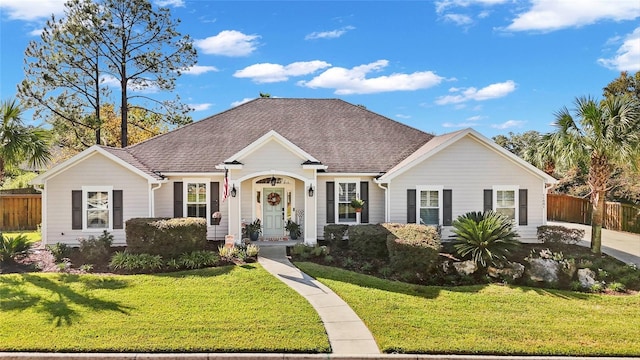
357	204
253	230
294	229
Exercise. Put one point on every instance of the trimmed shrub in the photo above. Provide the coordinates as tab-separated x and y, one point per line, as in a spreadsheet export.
168	238
334	233
559	234
96	250
417	254
369	240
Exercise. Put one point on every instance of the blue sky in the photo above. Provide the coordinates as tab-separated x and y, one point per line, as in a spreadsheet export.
494	65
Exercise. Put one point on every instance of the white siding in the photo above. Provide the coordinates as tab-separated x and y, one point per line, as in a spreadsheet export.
271	156
375	202
95	170
467	167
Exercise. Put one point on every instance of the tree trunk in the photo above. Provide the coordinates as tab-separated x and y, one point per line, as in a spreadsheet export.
1	170
599	173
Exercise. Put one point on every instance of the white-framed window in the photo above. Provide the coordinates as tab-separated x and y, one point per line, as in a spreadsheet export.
429	204
346	190
505	200
197	199
97	208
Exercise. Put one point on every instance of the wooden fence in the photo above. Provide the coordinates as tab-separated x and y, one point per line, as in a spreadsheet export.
617	216
20	211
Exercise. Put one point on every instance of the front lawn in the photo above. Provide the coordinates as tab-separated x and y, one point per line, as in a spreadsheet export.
225	309
487	319
33	235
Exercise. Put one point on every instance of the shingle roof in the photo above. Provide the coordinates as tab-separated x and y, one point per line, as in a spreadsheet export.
125	155
344	137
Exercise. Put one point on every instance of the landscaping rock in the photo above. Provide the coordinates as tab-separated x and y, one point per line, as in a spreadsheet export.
466	267
587	278
511	271
544	270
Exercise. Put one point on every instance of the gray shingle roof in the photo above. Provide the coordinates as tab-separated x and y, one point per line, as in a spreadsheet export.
344	137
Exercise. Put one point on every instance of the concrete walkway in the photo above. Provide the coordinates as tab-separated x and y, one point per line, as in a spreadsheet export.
347	333
623	246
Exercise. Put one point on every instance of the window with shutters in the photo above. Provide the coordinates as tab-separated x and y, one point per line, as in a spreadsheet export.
429	205
346	190
97	208
505	201
196	199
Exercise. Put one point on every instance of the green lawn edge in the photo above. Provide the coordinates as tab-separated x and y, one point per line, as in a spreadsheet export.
486	319
224	309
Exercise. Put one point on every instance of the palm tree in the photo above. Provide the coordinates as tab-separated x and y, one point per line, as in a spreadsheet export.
602	135
19	143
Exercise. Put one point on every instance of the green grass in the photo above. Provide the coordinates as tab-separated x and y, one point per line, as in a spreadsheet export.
487	319
226	309
32	235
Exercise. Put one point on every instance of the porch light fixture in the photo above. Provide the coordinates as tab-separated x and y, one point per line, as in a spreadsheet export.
234	192
310	190
273	181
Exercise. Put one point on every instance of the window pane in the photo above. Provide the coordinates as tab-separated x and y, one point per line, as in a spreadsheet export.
346	213
430	216
506	198
509	212
192	190
346	192
98	200
97	219
197	210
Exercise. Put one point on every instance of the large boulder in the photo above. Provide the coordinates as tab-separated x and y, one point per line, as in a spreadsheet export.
511	271
587	278
465	267
544	270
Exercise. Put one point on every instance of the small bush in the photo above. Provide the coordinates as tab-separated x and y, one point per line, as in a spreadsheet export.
334	233
59	251
559	234
96	250
13	247
369	240
135	263
197	259
168	238
253	250
617	287
228	254
87	268
307	252
416	257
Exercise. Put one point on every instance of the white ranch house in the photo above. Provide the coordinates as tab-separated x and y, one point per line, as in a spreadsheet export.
297	159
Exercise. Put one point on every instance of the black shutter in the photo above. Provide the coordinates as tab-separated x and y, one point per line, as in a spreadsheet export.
331	202
177	199
522	201
117	210
364	195
76	209
215	199
488	200
411	206
447	208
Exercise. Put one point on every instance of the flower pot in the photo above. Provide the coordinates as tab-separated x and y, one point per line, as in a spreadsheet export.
359	210
254	236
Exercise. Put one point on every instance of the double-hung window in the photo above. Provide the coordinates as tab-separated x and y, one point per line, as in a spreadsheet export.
505	201
196	203
346	191
429	205
97	209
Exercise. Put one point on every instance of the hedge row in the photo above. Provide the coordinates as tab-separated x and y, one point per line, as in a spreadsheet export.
168	238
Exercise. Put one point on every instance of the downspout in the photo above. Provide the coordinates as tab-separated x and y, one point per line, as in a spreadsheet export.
386	199
43	227
152	201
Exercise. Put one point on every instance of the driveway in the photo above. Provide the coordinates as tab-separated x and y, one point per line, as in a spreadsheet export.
623	246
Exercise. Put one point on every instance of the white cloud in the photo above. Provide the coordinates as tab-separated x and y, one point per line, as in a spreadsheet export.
174	3
508	124
476	118
443	5
31	10
269	73
458	19
329	34
459	125
627	57
240	102
550	15
200	107
355	81
492	91
199	69
402	116
228	43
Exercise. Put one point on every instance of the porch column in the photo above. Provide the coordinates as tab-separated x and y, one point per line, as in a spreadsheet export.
310	214
235	223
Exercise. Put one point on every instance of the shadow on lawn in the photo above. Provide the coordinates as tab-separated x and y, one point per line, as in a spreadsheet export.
58	306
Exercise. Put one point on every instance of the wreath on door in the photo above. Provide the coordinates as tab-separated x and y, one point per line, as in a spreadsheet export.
273	199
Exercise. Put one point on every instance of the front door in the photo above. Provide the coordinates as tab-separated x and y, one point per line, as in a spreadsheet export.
273	213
